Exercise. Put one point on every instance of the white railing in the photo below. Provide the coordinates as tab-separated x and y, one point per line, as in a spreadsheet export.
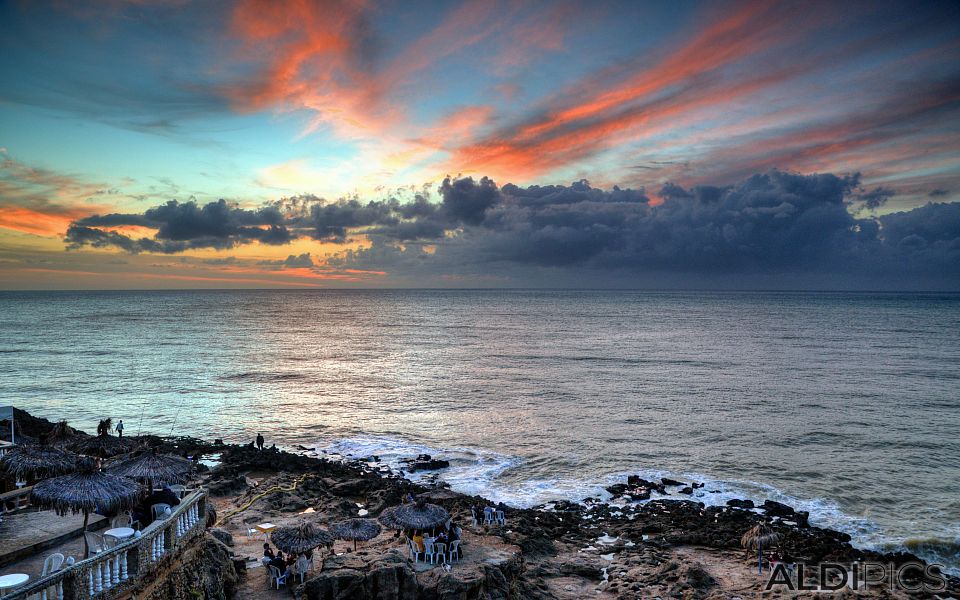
113	571
15	500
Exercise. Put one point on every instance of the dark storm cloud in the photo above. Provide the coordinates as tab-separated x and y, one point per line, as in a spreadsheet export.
772	223
876	197
938	193
184	226
466	200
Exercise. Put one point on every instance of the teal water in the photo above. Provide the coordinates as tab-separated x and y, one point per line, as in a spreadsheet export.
847	405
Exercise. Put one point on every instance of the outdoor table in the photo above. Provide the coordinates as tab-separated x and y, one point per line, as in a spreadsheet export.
265	529
13	580
121	533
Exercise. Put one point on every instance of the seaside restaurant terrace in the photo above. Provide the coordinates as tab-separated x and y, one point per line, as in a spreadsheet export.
68	549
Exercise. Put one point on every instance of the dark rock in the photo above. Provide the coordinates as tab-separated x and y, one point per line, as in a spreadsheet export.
205	570
387	577
776	509
352	488
432	464
673	482
228	486
582	567
222	535
740	503
687	490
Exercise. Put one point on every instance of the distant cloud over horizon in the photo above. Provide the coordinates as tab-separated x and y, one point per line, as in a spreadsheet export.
775	223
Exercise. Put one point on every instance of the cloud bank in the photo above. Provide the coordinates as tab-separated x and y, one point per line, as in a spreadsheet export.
775	223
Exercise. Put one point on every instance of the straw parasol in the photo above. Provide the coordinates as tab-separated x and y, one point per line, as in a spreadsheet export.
86	490
420	515
62	434
388	518
150	466
757	537
355	530
103	446
300	538
38	461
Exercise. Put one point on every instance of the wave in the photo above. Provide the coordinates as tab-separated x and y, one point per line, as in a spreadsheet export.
499	477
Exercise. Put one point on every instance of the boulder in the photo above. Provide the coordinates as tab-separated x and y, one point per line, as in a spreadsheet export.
673	482
736	503
388	576
223	535
777	509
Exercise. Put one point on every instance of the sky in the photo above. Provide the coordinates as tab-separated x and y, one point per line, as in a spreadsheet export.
491	143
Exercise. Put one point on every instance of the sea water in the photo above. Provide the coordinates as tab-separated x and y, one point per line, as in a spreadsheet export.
843	404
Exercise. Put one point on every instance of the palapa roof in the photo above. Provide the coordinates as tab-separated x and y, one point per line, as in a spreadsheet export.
388	518
300	538
358	530
87	489
37	461
150	465
103	446
420	515
62	434
759	535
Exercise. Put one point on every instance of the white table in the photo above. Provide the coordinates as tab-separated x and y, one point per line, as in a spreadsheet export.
13	580
121	533
265	529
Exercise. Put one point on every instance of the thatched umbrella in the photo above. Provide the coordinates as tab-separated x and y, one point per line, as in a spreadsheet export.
300	538
420	515
38	461
388	518
62	434
757	537
150	466
86	490
103	446
355	530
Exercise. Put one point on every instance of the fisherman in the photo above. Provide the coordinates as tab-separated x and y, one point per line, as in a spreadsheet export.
260	441
120	428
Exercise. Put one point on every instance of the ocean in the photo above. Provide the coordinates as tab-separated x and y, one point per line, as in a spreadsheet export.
843	404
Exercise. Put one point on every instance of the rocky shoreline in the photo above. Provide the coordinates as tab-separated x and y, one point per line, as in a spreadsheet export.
619	548
659	548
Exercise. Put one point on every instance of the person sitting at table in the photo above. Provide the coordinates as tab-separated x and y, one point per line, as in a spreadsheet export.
418	541
268	551
456	533
164	496
279	563
441	538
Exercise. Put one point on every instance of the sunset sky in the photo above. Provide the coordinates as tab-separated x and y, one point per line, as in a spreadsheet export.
177	144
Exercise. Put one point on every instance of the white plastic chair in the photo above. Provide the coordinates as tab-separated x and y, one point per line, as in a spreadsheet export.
95	541
488	516
159	510
276	579
110	541
121	521
302	566
428	549
501	517
476	519
52	564
414	550
439	551
454	552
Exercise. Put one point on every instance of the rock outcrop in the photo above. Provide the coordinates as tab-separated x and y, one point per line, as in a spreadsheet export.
206	570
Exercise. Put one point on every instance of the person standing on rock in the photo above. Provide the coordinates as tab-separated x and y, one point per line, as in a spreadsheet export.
260	442
120	428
